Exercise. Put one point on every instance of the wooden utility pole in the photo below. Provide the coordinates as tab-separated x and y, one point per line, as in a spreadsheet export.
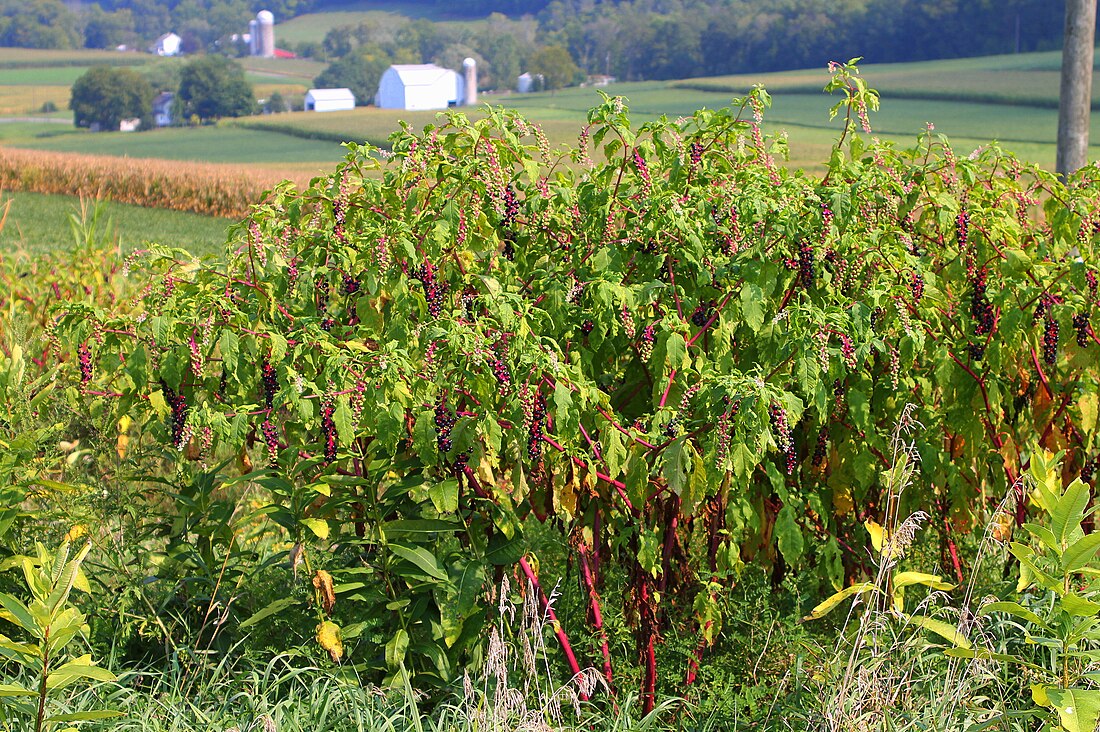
1075	98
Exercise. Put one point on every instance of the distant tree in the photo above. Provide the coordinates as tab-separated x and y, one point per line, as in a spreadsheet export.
104	96
276	103
38	24
212	87
359	71
107	30
554	65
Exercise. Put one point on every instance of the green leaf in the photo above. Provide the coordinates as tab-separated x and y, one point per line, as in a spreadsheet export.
271	609
400	527
422	558
1014	609
86	716
789	535
444	495
752	298
1078	606
942	629
319	527
1078	709
396	648
78	668
1069	511
18	613
824	608
15	690
1080	552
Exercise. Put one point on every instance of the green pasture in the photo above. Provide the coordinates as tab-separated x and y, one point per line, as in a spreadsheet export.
1018	79
215	144
312	27
39	223
17	58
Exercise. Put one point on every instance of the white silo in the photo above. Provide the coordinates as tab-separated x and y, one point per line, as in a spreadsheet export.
266	46
469	72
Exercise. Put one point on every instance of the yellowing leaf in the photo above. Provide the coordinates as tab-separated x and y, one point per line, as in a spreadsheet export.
825	607
328	637
877	534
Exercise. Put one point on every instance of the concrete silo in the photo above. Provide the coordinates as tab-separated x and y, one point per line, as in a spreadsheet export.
266	22
253	37
469	73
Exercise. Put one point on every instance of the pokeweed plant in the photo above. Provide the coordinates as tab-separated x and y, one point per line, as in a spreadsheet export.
660	337
52	623
1059	600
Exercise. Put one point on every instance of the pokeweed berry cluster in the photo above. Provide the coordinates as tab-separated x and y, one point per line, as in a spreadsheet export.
649	338
351	285
444	422
806	265
270	382
499	364
511	207
271	439
1050	340
821	446
1081	325
980	307
695	153
702	313
434	291
916	286
84	358
181	433
534	408
782	431
962	227
328	428
587	327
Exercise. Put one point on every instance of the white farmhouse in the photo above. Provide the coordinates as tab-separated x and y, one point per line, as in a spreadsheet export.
162	109
167	45
329	100
419	86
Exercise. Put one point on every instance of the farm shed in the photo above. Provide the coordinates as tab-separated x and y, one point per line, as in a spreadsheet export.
329	100
419	86
166	45
162	109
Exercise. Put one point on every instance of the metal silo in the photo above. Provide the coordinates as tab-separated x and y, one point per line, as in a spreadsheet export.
266	46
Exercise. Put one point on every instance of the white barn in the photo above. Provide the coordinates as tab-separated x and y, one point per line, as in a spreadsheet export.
167	45
419	86
329	100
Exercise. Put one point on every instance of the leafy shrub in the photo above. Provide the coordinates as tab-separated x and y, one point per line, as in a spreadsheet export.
685	354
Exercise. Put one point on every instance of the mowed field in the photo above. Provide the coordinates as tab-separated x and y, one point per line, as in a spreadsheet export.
1010	99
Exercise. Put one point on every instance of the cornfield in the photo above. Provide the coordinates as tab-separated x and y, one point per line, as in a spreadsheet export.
205	188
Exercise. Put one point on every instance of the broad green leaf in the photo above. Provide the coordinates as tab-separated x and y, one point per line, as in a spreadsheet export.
1078	606
1069	511
984	654
836	598
319	527
942	629
444	495
86	716
1015	609
19	614
78	668
904	579
1080	552
1078	709
789	535
419	526
272	608
422	558
396	648
15	690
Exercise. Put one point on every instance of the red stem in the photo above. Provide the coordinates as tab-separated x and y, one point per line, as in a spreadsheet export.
548	610
649	681
597	616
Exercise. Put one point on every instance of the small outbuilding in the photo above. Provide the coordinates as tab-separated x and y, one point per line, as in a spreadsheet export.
419	86
329	100
166	45
162	109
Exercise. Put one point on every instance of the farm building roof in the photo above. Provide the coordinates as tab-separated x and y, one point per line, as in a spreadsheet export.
328	95
420	74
